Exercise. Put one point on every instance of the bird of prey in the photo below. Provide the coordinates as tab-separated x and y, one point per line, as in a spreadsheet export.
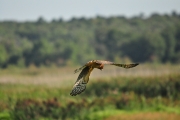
83	78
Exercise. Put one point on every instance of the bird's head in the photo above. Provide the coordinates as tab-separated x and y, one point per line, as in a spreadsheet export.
100	67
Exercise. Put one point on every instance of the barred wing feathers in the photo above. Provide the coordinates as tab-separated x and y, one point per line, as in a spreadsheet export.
116	64
78	88
82	80
126	65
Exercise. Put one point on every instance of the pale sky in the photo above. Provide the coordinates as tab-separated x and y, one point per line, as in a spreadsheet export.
31	10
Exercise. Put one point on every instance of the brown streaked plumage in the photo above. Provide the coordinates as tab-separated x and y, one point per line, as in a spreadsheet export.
83	78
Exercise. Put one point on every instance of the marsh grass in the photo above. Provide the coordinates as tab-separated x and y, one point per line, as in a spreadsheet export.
145	89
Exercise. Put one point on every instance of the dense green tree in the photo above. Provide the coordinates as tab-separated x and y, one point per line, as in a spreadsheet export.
3	56
169	38
59	42
149	47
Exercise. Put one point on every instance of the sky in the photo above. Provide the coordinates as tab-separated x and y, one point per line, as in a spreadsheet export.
31	10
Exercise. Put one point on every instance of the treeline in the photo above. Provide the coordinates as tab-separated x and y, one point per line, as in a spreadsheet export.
59	42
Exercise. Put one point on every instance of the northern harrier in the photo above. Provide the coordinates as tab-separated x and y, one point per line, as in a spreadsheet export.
83	78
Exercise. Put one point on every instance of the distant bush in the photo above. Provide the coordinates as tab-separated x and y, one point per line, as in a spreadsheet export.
165	86
51	108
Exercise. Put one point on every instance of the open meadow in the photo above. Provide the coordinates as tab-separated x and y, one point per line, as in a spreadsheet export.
146	92
38	57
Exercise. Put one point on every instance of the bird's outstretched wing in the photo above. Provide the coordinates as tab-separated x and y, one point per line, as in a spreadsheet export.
126	65
104	62
116	64
82	80
78	88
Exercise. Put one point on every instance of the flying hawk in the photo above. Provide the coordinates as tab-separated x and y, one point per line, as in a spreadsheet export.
83	78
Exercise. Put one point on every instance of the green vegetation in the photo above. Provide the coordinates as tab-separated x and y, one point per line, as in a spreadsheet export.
138	39
114	97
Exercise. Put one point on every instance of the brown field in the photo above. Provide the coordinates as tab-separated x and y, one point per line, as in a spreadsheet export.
146	116
56	76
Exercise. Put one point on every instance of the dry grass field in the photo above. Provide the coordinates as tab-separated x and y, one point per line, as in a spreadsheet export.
145	116
65	75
